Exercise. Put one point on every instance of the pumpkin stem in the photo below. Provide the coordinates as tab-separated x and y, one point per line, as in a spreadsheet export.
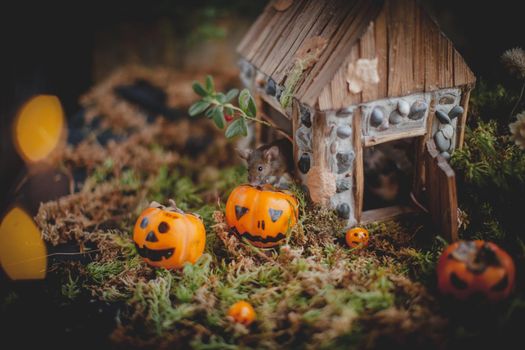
171	207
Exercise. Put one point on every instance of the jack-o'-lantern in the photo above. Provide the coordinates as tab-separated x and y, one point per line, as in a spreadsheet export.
261	215
167	237
242	312
466	268
357	237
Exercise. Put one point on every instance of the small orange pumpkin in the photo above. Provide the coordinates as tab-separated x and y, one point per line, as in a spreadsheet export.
242	312
261	215
167	237
475	267
357	237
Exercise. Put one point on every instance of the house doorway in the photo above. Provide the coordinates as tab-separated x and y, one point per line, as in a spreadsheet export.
389	174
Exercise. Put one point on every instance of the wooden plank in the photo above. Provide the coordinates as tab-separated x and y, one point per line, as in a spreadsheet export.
381	46
418	51
445	62
343	41
448	200
278	23
341	95
367	50
296	29
325	99
462	119
419	181
377	139
400	36
383	214
359	177
431	38
301	33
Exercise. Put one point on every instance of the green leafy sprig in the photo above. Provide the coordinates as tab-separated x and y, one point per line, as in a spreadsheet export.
217	106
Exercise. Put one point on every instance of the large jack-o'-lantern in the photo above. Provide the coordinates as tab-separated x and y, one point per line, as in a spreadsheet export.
261	215
168	237
466	268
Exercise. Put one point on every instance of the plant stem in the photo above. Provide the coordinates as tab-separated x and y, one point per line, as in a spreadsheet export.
244	115
518	101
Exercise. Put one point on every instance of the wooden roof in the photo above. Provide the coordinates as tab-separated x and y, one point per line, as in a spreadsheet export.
413	55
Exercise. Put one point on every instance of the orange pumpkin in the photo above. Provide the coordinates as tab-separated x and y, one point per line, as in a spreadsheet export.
167	237
475	267
261	215
357	237
242	312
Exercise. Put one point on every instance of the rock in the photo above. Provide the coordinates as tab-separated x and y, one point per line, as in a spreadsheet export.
304	163
442	117
343	185
447	130
344	131
306	117
343	211
403	108
395	117
271	88
445	155
446	100
418	110
303	139
344	161
376	117
333	148
442	143
455	112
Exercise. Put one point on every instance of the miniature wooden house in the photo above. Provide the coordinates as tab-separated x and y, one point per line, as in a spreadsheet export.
341	76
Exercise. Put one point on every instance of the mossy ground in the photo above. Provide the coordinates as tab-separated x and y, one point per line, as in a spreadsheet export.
313	292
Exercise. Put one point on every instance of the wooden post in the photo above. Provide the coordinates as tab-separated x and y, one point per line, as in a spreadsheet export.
420	170
462	120
359	182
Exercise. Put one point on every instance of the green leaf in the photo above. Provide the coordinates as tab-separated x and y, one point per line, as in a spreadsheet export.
231	94
247	104
244	96
198	107
221	97
210	86
218	118
237	127
209	112
199	89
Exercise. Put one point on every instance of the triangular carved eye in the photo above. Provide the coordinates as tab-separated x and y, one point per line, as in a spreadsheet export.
275	214
240	211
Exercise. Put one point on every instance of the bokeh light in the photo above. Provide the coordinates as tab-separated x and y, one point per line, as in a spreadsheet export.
23	253
39	128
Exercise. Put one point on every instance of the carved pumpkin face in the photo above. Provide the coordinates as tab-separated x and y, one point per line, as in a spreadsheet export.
357	237
475	267
166	238
262	216
242	312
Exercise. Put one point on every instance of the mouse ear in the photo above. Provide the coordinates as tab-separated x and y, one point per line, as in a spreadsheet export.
244	153
271	153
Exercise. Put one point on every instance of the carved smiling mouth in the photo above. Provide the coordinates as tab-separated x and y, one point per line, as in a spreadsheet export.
155	254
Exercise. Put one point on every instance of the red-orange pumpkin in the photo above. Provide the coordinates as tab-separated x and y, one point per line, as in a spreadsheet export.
475	267
242	312
261	215
167	237
357	237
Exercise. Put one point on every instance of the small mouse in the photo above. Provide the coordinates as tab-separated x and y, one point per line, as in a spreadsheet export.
270	164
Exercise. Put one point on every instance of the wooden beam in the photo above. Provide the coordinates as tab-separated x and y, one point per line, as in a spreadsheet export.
377	139
359	177
387	213
462	120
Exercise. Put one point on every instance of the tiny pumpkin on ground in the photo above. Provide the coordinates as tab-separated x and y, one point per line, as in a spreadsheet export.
167	237
466	268
242	312
357	237
261	215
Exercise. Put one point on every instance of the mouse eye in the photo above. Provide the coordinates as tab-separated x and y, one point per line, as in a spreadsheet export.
259	168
